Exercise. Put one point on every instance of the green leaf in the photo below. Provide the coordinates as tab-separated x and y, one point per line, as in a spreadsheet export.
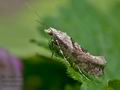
94	29
114	85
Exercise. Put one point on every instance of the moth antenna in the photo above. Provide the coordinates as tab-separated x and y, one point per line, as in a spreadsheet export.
36	13
31	8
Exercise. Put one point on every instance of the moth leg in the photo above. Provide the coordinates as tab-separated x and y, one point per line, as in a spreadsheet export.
76	67
82	73
34	41
51	46
61	50
73	64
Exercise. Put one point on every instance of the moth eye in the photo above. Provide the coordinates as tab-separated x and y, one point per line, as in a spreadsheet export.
50	33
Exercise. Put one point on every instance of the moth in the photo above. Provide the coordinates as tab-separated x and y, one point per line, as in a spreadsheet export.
71	51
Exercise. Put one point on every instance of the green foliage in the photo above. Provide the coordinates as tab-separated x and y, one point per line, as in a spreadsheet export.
43	73
114	84
94	24
95	30
17	27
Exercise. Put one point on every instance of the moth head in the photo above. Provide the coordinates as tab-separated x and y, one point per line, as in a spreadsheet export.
50	31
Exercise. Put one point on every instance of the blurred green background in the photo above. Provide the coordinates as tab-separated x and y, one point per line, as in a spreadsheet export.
95	24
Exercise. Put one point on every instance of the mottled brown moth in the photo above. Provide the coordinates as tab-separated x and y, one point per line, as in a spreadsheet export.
71	51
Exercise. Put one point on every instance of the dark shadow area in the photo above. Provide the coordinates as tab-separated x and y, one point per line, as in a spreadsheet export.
43	73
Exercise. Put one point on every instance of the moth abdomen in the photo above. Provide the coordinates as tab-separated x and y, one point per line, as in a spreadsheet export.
74	54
